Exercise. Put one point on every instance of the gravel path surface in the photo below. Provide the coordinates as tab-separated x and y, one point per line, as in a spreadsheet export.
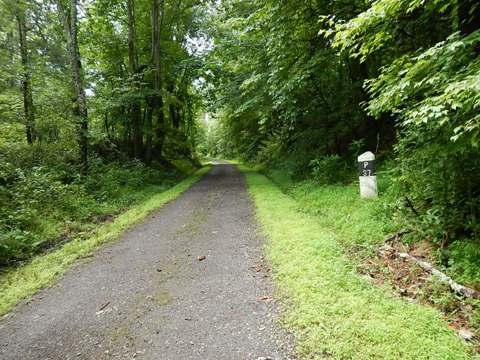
188	283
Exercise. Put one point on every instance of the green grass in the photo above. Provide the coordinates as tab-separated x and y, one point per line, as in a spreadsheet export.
360	225
24	281
333	311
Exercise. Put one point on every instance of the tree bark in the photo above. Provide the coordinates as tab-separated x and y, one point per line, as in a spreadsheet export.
172	109
135	108
174	116
158	78
70	21
152	101
148	134
10	54
26	75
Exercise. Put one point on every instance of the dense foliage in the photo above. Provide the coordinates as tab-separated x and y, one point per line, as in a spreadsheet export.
92	91
97	110
430	85
306	86
282	91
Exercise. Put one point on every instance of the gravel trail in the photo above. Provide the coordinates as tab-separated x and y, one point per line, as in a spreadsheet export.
188	283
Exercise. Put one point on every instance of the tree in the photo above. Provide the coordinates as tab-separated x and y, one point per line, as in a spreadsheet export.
69	21
429	84
135	109
20	15
156	100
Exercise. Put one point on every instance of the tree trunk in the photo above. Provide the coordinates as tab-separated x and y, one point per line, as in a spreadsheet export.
10	54
172	109
156	102
148	133
158	78
135	108
174	116
160	129
105	124
151	103
69	20
26	76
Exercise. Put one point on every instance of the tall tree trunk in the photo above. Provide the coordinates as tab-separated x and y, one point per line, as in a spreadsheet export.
174	116
26	76
160	129
156	82
158	76
156	102
105	124
135	109
10	54
172	109
148	133
70	21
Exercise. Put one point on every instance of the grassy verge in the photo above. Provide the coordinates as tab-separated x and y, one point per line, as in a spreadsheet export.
361	226
334	312
22	282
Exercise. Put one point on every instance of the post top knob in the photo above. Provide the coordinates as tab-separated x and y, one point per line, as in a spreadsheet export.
366	156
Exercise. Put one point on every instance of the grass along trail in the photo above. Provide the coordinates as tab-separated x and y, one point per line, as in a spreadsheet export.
333	311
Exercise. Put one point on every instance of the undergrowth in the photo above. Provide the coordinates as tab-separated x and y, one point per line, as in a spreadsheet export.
364	225
334	312
46	201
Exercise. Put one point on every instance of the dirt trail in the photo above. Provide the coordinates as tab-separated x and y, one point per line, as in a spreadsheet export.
148	296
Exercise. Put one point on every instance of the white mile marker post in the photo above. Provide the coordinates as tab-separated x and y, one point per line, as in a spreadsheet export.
366	175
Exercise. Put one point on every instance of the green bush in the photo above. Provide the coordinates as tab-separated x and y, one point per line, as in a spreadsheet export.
331	169
45	199
464	261
440	179
34	202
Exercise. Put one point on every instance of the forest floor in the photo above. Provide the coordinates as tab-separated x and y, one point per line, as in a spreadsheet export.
190	282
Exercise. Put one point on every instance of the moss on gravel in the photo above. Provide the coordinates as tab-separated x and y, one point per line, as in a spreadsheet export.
334	312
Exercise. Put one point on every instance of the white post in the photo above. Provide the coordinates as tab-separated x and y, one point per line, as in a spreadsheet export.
366	174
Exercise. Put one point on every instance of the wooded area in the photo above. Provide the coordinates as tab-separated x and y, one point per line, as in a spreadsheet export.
102	102
97	104
307	86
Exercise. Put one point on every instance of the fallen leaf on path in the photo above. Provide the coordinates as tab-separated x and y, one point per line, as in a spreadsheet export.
266	298
201	258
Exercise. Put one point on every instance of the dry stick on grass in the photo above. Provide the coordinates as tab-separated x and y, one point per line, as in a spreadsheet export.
460	289
396	236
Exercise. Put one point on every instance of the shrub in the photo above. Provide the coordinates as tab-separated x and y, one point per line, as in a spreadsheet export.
331	169
440	178
45	199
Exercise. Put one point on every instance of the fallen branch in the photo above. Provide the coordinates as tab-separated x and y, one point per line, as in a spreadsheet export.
409	204
460	289
395	237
